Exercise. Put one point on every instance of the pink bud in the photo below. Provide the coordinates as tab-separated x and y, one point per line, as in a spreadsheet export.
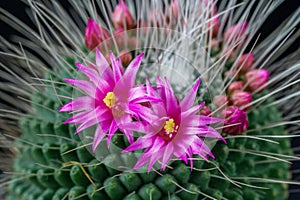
240	99
237	30
256	79
214	25
94	34
235	117
245	62
235	86
125	57
122	17
220	100
205	111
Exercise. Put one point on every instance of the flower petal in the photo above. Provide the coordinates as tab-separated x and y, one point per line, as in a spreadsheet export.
189	99
117	67
98	137
89	72
78	104
84	85
168	152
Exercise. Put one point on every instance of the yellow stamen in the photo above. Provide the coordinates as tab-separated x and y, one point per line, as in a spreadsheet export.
169	126
110	99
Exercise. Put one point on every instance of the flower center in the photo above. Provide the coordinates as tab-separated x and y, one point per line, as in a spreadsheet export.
110	99
170	129
169	126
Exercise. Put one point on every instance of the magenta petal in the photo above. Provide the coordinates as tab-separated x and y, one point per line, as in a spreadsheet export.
153	159
89	72
101	63
167	155
192	111
84	85
145	113
117	67
171	100
112	129
141	143
78	104
132	69
190	155
103	68
128	79
86	125
129	135
98	137
189	99
183	157
200	120
142	161
78	118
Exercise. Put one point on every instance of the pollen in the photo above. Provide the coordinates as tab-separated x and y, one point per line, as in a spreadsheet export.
110	99
169	126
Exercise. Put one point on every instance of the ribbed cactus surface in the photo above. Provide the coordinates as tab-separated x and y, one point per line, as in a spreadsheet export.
52	164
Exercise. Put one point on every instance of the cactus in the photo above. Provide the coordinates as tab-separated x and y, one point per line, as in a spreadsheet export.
54	167
54	163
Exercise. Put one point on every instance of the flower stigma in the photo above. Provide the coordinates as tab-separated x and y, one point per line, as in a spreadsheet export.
110	99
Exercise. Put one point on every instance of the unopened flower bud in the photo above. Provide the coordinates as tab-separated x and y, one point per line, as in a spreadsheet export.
256	79
241	99
237	30
94	34
220	100
205	111
236	120
214	25
245	62
235	86
125	57
122	17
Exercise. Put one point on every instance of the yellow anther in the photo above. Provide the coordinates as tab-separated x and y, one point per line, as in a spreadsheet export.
169	126
110	99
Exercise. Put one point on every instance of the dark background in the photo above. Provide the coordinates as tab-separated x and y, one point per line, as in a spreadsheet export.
17	8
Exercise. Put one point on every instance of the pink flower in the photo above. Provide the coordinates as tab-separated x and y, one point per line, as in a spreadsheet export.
236	120
241	99
245	62
236	31
94	34
235	86
122	17
109	95
176	129
256	79
220	100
